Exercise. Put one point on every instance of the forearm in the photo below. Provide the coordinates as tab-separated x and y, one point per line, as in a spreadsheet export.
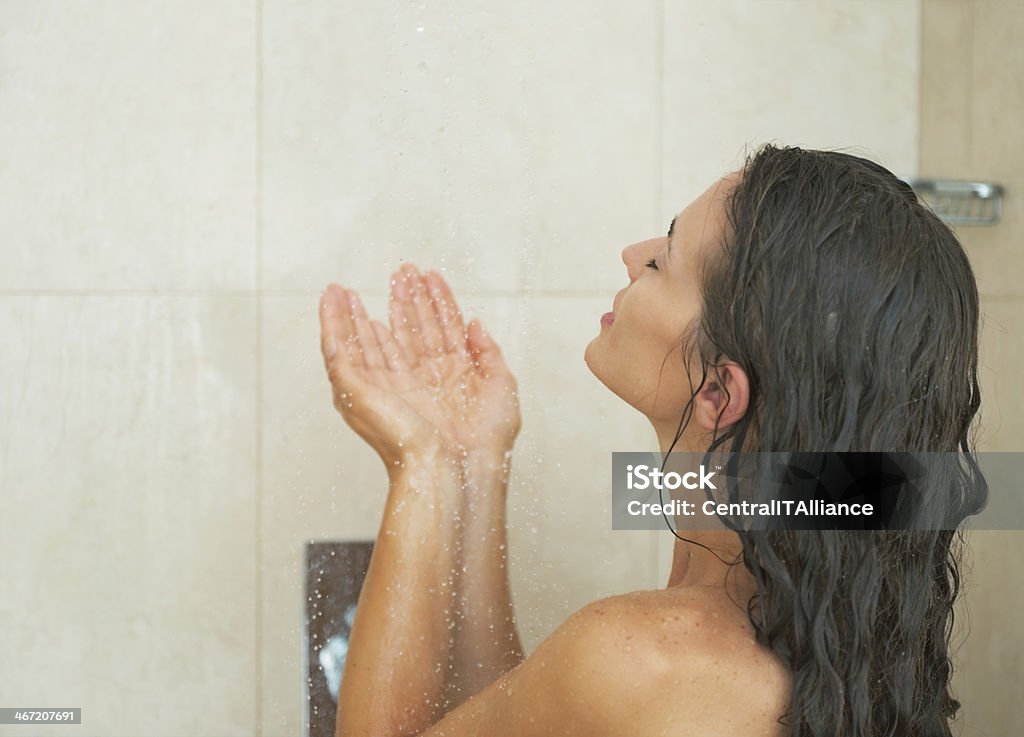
395	670
486	642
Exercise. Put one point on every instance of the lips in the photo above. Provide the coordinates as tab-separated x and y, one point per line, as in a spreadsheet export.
609	317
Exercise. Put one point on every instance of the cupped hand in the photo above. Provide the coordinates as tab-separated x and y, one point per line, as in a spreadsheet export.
430	384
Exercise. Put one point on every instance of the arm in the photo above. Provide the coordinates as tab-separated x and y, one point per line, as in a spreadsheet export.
431	392
485	642
573	685
426	572
395	670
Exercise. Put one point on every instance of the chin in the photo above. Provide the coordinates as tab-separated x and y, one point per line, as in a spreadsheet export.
592	357
598	365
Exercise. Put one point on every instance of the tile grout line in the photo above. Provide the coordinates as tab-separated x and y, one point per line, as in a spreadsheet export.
921	86
366	294
284	292
258	269
970	85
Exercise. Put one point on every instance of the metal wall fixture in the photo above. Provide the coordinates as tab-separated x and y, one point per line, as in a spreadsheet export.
960	202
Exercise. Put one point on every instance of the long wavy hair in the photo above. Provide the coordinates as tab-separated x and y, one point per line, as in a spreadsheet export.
854	311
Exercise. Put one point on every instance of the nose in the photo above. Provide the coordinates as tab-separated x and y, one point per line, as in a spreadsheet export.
636	255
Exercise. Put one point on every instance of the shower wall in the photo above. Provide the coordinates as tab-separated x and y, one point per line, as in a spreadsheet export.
972	108
177	183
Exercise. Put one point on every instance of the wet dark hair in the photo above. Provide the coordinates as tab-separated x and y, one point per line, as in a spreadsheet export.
853	310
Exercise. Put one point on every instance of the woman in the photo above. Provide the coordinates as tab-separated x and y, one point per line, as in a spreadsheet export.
807	302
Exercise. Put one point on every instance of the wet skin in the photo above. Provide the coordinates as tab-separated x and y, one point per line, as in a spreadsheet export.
435	399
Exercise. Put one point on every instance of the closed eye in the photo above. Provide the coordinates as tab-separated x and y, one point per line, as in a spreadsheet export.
652	264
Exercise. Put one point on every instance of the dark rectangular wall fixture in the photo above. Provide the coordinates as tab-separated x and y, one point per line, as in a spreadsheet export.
334	577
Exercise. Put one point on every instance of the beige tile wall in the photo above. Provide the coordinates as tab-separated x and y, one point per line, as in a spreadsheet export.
178	181
972	105
129	420
128	142
128	472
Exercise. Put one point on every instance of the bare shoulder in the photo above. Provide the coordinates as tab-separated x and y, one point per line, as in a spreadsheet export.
645	663
690	654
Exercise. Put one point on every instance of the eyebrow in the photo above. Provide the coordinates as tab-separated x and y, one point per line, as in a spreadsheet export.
671	227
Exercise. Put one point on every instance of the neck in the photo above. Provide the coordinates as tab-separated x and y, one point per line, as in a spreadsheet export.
666	433
706	556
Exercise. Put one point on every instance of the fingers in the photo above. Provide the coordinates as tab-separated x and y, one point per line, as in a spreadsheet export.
447	310
405	323
389	347
430	326
347	334
337	331
425	321
485	352
424	317
373	356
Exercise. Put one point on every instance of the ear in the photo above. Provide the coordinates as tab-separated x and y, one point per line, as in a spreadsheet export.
723	398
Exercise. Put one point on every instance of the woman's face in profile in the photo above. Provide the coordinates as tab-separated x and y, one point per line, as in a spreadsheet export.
638	353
